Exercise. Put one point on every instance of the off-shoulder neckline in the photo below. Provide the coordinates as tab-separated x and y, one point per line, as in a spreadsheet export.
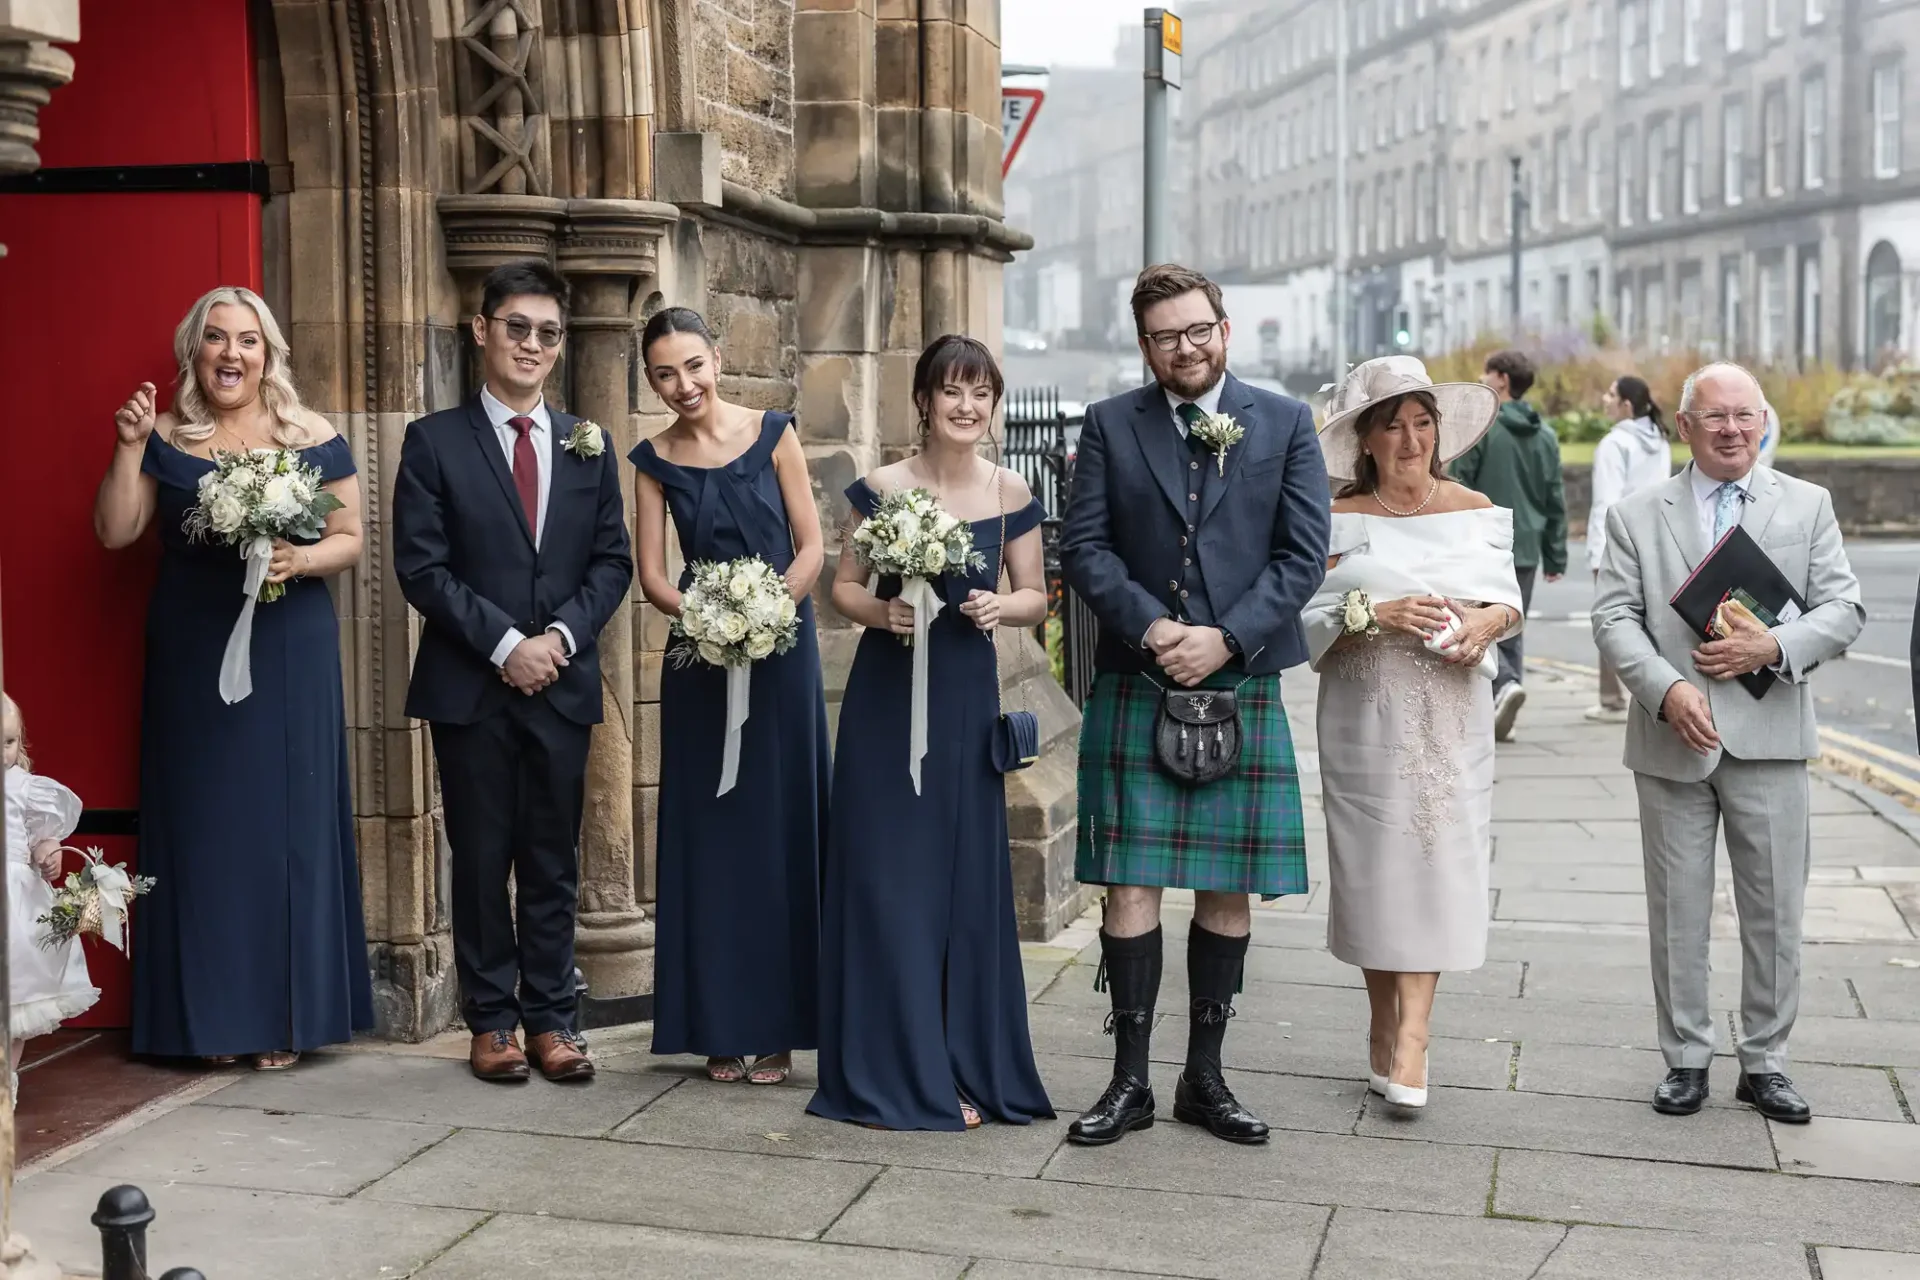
331	440
766	415
1009	514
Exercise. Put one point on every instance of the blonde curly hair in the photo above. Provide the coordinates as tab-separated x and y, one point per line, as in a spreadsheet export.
277	392
10	711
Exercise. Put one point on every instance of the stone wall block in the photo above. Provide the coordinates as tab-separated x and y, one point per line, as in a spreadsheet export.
897	158
687	168
896	416
834	154
646	835
939	161
905	328
940	55
408	784
316	142
977	66
834	57
758	89
843	309
826	384
646	674
897	64
646	762
832	470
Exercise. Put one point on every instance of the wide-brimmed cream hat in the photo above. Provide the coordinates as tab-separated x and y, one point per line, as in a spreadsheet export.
1467	409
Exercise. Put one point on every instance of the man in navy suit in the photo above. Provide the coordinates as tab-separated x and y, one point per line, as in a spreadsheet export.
510	538
1196	532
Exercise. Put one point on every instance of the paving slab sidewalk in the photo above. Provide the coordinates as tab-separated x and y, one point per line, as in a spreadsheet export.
1537	1157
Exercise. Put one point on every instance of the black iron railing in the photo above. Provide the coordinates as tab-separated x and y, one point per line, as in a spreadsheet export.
1039	438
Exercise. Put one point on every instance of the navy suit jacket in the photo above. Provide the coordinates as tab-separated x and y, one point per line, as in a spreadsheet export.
465	559
1260	540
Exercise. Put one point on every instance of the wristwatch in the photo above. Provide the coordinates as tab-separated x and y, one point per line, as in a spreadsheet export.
1233	645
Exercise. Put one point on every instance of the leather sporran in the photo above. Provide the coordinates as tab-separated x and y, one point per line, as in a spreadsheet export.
1196	734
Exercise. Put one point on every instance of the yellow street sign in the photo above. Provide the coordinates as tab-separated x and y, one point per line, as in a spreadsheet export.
1170	33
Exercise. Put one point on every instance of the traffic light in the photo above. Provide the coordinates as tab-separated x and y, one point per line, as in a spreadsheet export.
1402	329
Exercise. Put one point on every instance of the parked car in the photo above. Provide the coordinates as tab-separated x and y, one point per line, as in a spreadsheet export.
1025	340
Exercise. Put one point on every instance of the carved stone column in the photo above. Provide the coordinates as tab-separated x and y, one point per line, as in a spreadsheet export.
30	70
609	247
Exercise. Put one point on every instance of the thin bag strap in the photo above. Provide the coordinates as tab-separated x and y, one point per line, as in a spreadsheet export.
1000	501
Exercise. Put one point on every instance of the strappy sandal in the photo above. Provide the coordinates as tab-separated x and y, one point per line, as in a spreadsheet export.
763	1074
726	1070
278	1060
969	1114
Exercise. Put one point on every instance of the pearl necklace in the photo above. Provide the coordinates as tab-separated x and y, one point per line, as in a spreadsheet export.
1431	490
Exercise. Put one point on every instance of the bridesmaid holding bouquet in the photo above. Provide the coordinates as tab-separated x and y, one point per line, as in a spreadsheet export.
923	1021
737	946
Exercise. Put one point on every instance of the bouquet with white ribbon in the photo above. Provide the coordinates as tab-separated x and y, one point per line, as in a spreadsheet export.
248	501
93	900
733	614
908	536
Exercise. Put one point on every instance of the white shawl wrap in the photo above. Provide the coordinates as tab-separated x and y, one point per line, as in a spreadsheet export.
1462	556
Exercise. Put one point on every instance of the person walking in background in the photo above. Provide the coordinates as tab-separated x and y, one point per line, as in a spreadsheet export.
1704	751
510	538
1631	457
1517	464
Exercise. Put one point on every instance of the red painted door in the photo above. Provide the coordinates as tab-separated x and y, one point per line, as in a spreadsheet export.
128	228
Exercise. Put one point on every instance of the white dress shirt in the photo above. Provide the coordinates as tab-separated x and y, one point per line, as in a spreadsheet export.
1706	497
502	416
1208	400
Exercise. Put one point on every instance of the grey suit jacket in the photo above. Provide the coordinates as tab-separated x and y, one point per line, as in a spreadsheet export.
1653	543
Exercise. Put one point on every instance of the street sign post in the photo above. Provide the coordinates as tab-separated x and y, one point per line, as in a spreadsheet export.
1018	107
1163	30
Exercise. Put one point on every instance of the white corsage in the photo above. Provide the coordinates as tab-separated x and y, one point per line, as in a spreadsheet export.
1219	432
586	440
1356	614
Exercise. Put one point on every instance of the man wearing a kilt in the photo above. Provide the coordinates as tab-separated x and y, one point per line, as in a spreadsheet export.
1196	532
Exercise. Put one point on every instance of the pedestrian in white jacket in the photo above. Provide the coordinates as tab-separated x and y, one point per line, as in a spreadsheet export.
1631	457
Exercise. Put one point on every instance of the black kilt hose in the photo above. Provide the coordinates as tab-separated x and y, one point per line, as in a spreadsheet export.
1160	526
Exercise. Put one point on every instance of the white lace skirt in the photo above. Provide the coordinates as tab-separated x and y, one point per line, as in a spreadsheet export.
47	986
1406	770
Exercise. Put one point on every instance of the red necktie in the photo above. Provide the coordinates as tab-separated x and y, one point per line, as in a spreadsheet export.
526	472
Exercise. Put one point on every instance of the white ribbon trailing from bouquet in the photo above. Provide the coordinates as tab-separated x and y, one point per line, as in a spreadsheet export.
236	669
739	691
112	884
927	604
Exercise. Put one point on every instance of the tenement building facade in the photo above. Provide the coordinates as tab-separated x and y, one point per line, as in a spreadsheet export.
1733	176
821	177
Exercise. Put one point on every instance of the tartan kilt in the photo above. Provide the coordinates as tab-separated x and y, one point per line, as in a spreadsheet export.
1242	834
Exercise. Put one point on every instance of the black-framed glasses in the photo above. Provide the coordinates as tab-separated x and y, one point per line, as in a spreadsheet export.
519	328
1198	334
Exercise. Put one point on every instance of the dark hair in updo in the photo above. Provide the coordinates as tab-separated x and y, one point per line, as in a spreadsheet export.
1639	398
670	321
950	358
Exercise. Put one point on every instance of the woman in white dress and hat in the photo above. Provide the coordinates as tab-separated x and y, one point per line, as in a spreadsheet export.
1420	587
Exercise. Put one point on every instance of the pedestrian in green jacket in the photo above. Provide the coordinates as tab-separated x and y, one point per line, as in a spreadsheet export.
1517	464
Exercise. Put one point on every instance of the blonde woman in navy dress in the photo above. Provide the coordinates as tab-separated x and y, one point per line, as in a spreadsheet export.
252	940
923	1007
736	947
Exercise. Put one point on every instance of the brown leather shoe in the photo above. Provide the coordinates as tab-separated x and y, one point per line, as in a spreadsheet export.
496	1056
560	1055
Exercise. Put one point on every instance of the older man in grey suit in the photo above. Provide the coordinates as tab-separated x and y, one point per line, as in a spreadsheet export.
1704	751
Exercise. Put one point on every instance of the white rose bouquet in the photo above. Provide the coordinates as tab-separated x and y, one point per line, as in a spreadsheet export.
247	501
257	497
909	536
732	614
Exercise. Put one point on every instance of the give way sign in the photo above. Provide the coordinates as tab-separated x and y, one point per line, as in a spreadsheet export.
1018	107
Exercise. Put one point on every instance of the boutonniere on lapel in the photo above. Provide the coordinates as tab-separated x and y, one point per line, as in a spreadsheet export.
585	440
1219	432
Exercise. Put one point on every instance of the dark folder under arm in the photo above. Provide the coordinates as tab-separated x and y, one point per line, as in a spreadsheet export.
1738	568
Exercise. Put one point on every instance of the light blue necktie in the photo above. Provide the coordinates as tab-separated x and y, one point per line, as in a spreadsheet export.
1726	509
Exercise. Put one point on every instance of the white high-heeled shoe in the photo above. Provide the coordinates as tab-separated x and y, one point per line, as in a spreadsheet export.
1405	1095
1376	1083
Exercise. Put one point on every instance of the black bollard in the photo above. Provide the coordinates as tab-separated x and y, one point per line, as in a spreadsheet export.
122	1218
183	1273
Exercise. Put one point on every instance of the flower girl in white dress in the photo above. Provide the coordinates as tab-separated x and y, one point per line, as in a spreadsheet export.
48	985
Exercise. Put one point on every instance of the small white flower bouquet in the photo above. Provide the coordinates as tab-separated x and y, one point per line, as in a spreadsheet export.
735	612
93	900
250	499
909	536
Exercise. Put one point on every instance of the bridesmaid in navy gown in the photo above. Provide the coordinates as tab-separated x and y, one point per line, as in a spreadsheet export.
736	947
923	1008
252	940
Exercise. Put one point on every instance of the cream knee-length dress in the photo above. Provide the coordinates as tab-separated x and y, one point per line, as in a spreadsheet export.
1406	746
